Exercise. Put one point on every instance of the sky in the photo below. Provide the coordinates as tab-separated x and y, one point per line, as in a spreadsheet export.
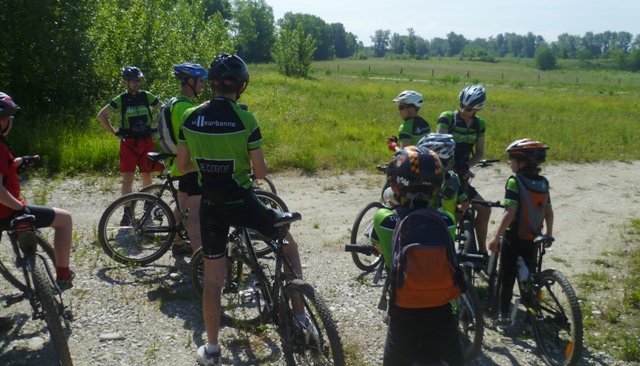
472	19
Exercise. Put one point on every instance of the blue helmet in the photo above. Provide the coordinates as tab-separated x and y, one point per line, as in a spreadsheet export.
189	70
131	73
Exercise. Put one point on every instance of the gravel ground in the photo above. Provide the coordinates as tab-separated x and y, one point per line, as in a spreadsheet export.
151	316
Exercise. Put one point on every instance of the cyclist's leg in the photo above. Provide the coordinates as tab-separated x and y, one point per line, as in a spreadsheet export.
128	162
61	222
127	182
481	222
508	257
402	342
189	185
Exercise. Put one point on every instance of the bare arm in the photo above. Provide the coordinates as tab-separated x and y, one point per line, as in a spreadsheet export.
548	220
475	159
184	163
7	199
103	117
507	218
258	164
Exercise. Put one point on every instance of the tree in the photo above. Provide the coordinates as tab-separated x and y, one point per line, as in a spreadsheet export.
293	52
380	42
217	6
255	30
410	42
438	46
397	44
545	60
314	26
344	43
455	43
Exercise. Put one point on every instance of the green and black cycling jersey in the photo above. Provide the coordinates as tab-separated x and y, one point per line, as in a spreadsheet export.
177	115
413	129
135	112
451	194
465	136
220	134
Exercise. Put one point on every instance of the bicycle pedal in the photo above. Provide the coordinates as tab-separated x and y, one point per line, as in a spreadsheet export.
13	299
68	315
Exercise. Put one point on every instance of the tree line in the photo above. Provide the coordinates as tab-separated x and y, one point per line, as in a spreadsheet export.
66	55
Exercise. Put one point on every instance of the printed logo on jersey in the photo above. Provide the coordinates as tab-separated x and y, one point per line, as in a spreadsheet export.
202	124
215	167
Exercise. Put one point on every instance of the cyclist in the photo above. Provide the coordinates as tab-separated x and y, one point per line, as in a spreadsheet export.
420	334
468	131
223	141
134	108
413	126
12	205
191	77
525	157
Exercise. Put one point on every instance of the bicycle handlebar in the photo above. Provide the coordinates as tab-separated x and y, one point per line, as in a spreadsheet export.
487	203
487	162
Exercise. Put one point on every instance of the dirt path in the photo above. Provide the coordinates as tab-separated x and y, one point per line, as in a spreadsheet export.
160	322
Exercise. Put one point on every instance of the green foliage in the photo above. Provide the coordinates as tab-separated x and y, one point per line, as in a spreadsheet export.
545	60
293	52
255	30
320	31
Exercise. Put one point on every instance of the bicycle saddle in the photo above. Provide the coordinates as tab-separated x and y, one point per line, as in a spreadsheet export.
285	218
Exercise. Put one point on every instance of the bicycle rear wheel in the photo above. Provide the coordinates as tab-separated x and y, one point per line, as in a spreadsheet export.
316	344
557	319
53	310
273	201
361	235
136	229
243	305
470	323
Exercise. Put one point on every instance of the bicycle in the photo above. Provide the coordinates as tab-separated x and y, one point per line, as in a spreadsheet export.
257	292
152	228
37	284
361	231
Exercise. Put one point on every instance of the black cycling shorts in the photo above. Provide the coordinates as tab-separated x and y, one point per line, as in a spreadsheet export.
188	184
244	209
44	217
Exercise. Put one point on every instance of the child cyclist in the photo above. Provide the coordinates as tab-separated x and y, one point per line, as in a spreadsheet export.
12	205
527	205
413	126
423	328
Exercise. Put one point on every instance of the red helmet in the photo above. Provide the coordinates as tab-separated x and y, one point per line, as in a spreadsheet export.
528	149
7	105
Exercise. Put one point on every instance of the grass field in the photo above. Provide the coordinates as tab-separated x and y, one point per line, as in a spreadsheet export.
340	117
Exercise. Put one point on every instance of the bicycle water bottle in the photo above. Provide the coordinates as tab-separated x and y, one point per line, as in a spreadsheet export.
523	271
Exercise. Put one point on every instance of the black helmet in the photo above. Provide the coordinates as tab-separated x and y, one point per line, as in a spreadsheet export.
528	149
413	168
474	96
227	66
7	105
131	73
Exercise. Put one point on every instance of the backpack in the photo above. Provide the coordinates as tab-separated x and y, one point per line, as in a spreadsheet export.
425	271
534	195
167	140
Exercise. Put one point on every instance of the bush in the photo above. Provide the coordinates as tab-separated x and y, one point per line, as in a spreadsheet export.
545	60
293	52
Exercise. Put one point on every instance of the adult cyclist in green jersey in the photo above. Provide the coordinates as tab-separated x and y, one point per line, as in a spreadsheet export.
191	77
468	130
413	126
223	142
134	109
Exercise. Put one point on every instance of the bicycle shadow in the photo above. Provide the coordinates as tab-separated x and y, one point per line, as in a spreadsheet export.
24	344
139	275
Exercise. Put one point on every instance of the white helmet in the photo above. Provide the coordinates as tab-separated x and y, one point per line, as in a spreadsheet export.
442	144
410	97
473	96
389	197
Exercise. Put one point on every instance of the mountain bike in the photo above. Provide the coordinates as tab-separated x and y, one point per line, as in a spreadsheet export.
262	291
152	227
31	273
361	231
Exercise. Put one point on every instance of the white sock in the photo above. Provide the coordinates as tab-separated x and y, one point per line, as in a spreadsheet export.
212	348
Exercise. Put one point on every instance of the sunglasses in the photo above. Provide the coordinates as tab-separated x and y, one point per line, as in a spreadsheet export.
467	109
402	107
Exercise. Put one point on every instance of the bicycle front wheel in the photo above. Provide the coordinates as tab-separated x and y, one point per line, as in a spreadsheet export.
136	229
52	309
361	235
557	319
14	274
316	343
470	323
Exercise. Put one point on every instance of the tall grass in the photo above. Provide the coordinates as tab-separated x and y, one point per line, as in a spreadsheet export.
340	117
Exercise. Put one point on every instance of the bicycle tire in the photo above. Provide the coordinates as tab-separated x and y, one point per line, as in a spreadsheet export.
298	349
167	195
557	319
468	232
242	295
264	184
15	279
273	201
149	235
470	323
52	309
361	235
494	282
